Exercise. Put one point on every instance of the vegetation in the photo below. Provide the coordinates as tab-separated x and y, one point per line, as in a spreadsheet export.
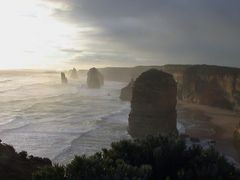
18	166
162	158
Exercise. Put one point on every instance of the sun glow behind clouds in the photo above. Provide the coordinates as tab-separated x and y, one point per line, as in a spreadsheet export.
30	37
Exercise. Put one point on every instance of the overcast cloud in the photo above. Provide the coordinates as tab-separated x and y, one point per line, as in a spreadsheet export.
147	32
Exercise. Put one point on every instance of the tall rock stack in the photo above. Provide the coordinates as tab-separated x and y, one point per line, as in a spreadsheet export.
94	78
153	104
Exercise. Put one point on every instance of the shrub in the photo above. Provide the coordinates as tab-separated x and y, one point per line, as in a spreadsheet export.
150	158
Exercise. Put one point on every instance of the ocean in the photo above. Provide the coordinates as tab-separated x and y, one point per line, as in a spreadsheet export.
45	118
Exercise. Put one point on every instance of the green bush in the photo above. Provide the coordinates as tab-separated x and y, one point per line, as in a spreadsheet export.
55	172
162	158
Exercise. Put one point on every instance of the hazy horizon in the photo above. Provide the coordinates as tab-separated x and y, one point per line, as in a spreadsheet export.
57	70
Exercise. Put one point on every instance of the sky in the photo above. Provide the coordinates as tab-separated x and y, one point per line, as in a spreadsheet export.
61	34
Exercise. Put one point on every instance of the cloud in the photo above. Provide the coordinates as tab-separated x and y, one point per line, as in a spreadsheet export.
103	59
161	31
71	50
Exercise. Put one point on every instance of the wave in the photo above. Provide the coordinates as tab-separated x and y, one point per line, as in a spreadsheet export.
98	133
5	81
7	121
58	94
20	87
16	121
125	110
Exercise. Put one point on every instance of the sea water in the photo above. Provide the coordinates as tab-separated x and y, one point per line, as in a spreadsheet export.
45	118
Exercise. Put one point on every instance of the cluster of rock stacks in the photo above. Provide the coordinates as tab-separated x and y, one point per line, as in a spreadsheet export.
126	92
94	78
73	74
63	78
153	104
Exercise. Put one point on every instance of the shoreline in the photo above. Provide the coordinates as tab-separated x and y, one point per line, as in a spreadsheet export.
212	123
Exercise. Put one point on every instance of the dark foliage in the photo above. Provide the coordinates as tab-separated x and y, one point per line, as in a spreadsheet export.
19	166
162	158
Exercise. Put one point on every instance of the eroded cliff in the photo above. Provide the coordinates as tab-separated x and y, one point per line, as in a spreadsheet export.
212	85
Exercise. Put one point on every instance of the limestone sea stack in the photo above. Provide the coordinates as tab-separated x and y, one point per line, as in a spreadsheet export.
94	78
153	104
74	74
126	92
63	78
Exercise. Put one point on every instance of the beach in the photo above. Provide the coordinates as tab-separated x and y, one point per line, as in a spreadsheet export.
210	123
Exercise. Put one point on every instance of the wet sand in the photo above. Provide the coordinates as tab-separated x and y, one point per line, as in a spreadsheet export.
206	122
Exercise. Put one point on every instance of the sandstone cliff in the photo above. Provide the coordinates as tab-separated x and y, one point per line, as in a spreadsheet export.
153	104
94	78
236	138
202	84
211	85
125	74
126	92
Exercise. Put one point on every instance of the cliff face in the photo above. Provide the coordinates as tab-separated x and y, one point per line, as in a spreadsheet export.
94	78
202	84
153	104
126	92
236	138
237	94
125	74
211	85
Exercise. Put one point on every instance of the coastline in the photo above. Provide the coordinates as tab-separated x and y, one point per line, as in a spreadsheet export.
212	123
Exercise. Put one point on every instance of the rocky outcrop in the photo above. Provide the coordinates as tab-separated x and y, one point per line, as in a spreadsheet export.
236	138
94	78
73	74
126	92
212	85
19	166
153	104
63	78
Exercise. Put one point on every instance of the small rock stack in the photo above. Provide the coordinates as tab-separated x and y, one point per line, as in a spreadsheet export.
63	78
